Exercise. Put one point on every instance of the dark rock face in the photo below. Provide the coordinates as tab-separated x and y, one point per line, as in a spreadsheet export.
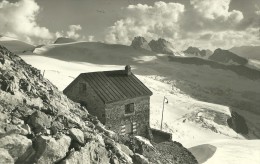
161	46
238	123
139	159
39	121
227	57
64	40
196	52
140	43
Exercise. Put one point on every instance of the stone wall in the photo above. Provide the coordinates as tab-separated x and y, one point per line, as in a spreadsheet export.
90	99
112	115
116	117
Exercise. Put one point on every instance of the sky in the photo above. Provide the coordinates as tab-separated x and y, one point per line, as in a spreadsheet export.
206	24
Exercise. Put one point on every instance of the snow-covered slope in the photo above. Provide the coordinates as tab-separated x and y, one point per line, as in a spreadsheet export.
200	96
94	52
255	64
61	40
15	45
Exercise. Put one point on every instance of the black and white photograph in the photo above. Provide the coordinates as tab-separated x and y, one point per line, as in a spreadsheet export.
129	81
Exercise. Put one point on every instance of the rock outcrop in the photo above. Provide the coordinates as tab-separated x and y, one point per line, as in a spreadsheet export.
77	135
140	43
227	57
161	46
238	123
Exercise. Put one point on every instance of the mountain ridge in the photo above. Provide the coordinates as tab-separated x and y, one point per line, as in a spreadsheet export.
251	52
227	57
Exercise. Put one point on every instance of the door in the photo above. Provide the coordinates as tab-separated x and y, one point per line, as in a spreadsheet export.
128	127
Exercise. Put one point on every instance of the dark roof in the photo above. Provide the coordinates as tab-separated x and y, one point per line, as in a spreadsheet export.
113	86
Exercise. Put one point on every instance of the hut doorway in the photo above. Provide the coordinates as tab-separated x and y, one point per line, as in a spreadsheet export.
128	127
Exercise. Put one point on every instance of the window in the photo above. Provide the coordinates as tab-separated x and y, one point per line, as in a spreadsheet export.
82	87
129	108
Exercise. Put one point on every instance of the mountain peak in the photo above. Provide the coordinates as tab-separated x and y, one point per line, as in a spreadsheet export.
197	52
140	43
161	46
227	57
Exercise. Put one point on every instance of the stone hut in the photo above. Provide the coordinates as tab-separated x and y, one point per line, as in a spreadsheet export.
118	99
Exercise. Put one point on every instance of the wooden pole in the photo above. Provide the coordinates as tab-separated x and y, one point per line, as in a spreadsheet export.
162	112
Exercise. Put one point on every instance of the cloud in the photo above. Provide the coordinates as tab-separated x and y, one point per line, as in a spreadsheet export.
257	12
216	10
19	20
205	23
205	36
71	33
230	38
211	15
91	38
149	21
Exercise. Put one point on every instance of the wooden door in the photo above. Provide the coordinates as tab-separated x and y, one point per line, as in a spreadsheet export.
128	127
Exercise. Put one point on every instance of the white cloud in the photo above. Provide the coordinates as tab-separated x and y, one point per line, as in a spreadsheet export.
216	9
91	38
229	38
257	12
19	20
207	24
72	33
148	21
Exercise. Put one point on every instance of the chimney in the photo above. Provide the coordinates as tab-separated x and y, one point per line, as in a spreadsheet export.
128	70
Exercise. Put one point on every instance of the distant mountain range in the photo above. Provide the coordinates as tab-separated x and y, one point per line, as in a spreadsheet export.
160	46
194	51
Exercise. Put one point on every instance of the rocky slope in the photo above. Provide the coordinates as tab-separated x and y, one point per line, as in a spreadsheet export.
161	46
38	124
227	57
140	43
194	51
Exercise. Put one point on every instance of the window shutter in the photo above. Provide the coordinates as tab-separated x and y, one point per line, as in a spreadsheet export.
134	127
123	129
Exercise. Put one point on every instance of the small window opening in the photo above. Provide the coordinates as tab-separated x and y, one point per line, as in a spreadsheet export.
129	108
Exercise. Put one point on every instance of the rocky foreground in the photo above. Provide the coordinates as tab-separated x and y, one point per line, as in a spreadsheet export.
38	124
